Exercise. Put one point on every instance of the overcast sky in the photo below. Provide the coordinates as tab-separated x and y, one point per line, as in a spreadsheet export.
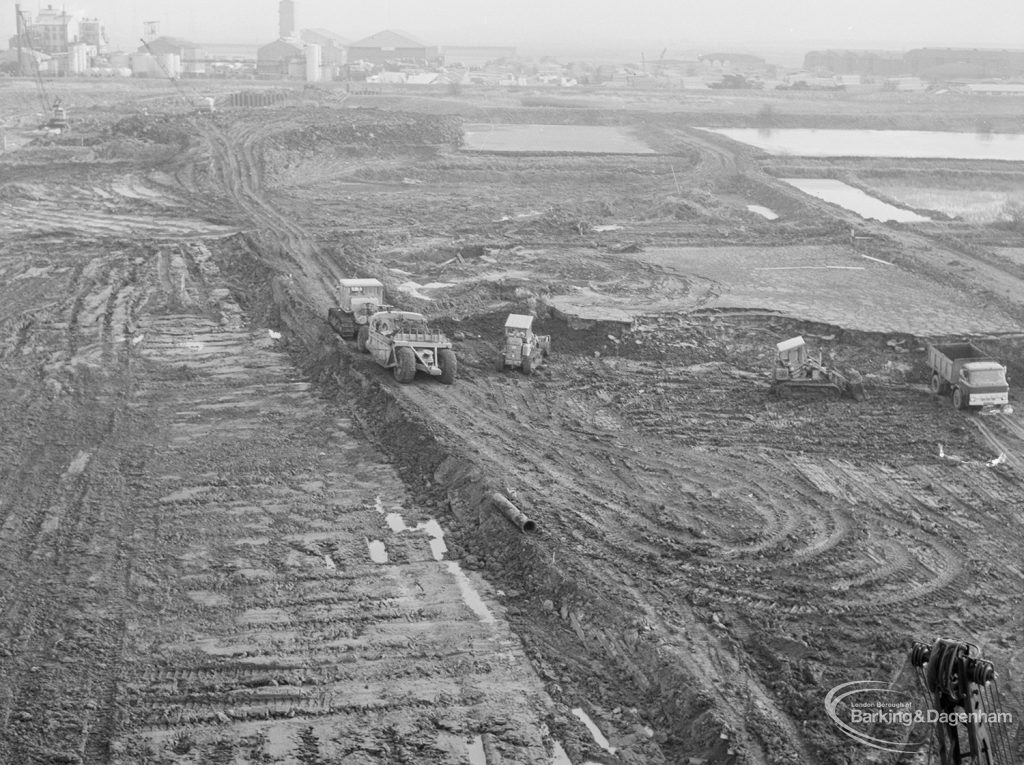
531	24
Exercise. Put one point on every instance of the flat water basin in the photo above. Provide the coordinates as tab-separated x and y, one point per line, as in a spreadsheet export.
909	144
860	202
528	139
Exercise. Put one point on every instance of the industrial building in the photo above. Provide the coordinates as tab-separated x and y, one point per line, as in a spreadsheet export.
388	46
475	56
882	63
279	58
332	47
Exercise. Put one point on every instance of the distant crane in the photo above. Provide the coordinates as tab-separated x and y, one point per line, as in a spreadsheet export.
205	104
661	60
656	67
58	114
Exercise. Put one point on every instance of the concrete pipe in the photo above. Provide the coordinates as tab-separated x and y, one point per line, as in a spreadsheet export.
512	512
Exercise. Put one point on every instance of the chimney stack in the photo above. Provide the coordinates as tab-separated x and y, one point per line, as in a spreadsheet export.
286	13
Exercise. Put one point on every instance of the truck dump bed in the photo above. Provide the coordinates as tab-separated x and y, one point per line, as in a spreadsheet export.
963	351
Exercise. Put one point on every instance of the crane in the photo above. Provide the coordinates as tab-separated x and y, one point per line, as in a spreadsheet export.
963	701
206	104
58	114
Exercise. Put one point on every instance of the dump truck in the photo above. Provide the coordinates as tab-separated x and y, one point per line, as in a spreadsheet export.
402	341
972	377
358	300
799	372
521	348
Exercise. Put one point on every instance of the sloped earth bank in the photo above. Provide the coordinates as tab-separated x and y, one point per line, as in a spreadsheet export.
195	531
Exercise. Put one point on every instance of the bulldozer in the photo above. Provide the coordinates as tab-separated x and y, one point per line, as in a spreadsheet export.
358	300
521	348
799	372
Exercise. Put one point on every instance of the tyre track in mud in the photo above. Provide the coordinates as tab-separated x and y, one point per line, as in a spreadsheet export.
145	610
240	175
818	538
262	619
607	518
68	512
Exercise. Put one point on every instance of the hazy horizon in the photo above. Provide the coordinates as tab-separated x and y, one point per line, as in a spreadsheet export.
645	26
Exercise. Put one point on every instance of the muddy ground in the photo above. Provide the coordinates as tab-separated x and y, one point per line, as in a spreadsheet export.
226	536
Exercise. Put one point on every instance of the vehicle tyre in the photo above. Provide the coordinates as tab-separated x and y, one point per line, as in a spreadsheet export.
405	364
361	337
936	383
449	365
959	399
527	365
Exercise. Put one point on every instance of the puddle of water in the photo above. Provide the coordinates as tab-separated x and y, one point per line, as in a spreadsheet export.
396	522
414	290
590	139
910	144
609	227
560	757
433	529
844	195
78	464
208	598
475	749
378	553
764	212
185	494
599	738
469	593
330	562
530	214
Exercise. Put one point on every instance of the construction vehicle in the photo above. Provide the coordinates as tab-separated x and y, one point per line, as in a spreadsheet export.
972	377
358	300
58	120
522	349
402	341
799	372
200	104
962	700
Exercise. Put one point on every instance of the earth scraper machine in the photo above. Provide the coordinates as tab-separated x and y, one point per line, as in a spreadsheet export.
962	700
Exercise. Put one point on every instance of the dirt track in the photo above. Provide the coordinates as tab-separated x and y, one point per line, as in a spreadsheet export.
185	552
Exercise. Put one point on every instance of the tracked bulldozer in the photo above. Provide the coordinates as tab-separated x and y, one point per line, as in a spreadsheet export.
798	372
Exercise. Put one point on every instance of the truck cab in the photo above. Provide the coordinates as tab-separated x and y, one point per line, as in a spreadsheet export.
984	383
